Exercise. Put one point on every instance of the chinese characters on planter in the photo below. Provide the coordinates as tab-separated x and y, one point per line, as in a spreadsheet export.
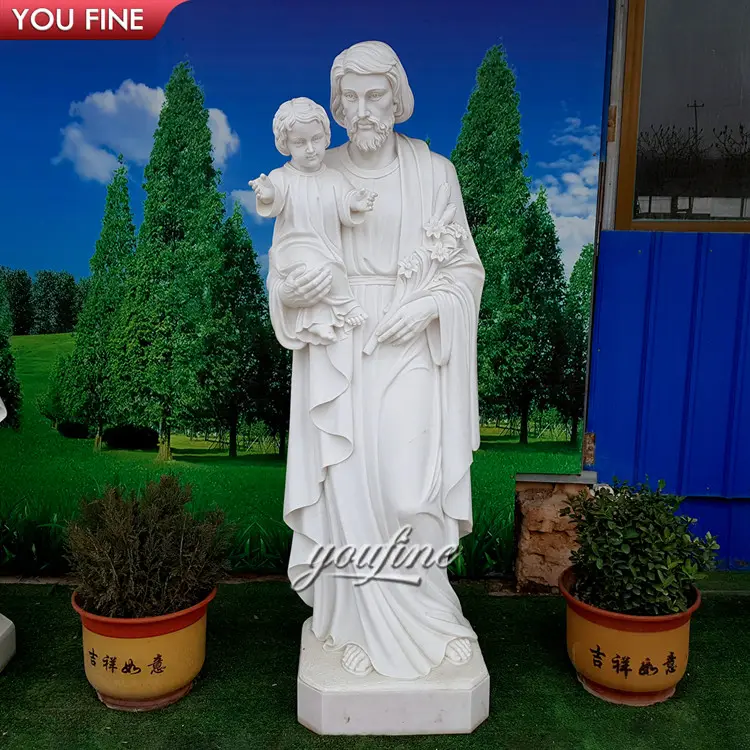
621	663
110	663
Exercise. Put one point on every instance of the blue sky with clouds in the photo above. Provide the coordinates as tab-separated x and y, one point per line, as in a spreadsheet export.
70	107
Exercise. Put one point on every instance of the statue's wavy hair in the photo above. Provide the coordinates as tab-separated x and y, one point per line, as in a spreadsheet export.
372	58
298	110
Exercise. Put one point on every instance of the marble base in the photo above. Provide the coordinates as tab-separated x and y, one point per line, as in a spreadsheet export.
450	700
7	641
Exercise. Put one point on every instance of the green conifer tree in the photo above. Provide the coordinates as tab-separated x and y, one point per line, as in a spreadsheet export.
530	318
576	317
91	362
234	378
490	167
160	343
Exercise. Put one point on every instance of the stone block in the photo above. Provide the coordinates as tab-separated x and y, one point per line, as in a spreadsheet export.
330	701
544	538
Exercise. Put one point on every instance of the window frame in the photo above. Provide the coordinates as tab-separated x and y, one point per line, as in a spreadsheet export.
631	102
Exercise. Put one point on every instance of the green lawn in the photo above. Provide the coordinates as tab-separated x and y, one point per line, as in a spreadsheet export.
246	694
48	474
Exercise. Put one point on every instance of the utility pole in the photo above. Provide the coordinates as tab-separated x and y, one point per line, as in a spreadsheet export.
695	107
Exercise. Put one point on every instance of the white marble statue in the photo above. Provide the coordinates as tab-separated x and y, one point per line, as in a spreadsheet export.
312	203
382	430
7	629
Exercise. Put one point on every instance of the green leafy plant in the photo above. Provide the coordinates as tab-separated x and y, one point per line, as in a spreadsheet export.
146	556
636	555
488	550
30	545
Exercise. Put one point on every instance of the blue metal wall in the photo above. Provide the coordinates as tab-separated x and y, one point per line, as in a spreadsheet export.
669	383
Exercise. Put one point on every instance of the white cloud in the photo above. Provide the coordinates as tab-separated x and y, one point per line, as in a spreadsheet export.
571	187
246	198
109	122
224	140
575	134
91	162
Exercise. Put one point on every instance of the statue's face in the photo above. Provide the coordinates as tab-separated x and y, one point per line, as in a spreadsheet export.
306	142
368	107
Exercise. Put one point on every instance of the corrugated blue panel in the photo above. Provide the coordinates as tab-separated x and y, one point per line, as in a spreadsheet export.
729	522
669	389
666	346
710	409
738	455
615	368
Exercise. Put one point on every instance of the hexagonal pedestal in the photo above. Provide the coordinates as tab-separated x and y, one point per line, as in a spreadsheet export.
7	641
450	700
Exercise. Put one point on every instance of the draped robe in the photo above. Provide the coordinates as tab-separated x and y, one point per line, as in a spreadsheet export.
386	440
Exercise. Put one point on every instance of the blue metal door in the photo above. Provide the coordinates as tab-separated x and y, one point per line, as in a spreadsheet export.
669	384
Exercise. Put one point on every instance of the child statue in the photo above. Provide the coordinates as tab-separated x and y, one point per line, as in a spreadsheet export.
312	202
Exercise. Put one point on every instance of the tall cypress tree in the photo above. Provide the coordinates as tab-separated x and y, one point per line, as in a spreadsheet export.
490	167
530	319
160	344
91	359
234	377
10	388
576	317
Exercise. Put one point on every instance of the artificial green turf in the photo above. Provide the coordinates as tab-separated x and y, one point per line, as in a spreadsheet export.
726	581
51	473
246	694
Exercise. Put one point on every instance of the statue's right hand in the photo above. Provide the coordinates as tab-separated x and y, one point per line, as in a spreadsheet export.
305	288
263	188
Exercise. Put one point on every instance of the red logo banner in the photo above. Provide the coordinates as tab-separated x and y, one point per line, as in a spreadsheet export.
81	19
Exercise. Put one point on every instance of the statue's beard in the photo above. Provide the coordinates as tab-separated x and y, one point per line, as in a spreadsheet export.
373	137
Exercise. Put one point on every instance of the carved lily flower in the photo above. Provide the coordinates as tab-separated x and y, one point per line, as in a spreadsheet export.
440	251
407	267
434	229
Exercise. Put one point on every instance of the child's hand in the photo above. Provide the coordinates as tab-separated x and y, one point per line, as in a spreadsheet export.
363	200
264	189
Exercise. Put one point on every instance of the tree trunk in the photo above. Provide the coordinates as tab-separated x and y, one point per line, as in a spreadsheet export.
574	432
524	440
233	435
98	439
165	434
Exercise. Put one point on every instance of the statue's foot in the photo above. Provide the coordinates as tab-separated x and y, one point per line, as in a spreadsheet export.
355	320
458	651
356	317
355	660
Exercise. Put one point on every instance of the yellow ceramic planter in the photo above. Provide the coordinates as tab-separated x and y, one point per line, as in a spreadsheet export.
141	664
626	659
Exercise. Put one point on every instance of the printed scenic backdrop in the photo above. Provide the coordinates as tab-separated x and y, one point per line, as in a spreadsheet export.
134	334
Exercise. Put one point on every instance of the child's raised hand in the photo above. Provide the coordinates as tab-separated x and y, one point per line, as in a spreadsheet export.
264	189
363	200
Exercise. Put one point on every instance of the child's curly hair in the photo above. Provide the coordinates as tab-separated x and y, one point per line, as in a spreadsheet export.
300	109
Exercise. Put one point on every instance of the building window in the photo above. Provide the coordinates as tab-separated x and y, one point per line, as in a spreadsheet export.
685	148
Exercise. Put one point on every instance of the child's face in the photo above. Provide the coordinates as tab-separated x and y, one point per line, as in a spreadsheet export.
307	144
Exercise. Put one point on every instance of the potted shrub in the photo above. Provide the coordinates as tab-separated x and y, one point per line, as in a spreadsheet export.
146	570
630	591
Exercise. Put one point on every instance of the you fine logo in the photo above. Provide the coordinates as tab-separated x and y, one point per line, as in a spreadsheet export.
79	19
382	560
